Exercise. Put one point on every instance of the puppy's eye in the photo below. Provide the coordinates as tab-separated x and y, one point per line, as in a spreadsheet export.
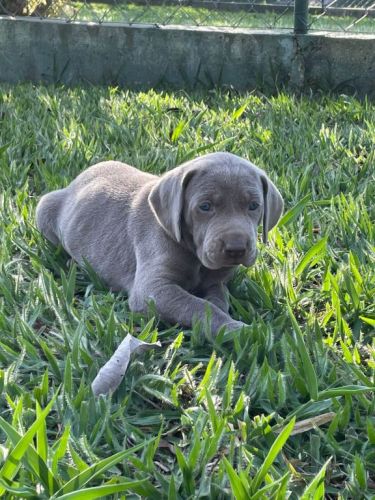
205	207
253	205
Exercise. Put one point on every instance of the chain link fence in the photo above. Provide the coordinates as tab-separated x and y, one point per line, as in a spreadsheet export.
302	15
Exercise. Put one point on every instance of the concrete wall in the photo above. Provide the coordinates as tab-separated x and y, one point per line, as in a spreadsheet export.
182	57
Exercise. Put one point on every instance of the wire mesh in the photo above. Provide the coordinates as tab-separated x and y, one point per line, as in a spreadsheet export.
331	15
343	15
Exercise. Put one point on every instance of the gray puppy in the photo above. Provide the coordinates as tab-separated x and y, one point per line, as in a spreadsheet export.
174	239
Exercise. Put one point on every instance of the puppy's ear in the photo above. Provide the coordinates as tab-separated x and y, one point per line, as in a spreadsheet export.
166	200
273	206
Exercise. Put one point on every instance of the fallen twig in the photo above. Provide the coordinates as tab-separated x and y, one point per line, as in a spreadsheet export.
310	423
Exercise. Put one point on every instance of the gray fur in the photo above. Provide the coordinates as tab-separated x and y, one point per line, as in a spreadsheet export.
147	235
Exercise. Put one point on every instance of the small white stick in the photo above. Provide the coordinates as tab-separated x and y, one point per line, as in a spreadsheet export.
111	374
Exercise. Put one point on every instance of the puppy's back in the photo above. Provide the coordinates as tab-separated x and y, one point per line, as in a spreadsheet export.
47	212
124	178
90	217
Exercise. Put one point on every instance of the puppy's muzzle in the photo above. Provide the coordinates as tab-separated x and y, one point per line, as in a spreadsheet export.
230	249
235	250
235	247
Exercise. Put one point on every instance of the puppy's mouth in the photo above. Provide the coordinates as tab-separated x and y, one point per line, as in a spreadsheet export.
213	261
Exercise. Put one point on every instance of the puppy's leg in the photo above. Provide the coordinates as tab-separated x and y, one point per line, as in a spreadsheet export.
213	288
217	294
47	213
176	305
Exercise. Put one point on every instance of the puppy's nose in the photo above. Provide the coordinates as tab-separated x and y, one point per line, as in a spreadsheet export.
235	249
235	254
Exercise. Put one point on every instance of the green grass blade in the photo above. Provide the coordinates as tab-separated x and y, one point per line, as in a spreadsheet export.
80	464
59	449
178	130
360	473
41	436
272	454
22	491
187	473
172	493
315	490
307	366
206	377
369	321
103	491
68	382
343	391
317	251
32	460
12	462
238	489
260	494
214	416
239	111
228	393
294	212
96	469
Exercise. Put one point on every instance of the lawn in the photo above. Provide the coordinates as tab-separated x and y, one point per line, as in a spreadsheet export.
200	417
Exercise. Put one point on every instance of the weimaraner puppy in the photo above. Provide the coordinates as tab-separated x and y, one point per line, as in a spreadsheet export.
175	239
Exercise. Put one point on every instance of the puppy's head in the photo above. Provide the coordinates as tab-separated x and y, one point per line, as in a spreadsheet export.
219	199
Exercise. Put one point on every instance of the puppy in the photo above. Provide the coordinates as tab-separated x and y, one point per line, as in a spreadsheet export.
174	239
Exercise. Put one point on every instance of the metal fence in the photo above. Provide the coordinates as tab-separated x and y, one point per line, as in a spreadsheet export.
301	16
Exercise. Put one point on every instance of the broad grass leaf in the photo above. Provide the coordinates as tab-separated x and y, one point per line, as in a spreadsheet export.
315	490
12	462
59	449
209	373
316	252
257	294
238	489
180	127
370	431
369	321
214	416
214	441
172	493
187	473
68	381
32	460
360	472
294	212
271	456
80	464
239	111
41	436
343	391
103	491
259	495
4	147
195	451
21	491
51	359
228	393
95	470
307	366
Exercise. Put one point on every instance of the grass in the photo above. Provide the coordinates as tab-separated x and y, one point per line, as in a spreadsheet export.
199	418
184	15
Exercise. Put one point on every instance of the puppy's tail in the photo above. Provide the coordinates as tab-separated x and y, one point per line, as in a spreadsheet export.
47	213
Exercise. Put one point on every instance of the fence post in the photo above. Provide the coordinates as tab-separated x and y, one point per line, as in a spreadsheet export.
301	16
